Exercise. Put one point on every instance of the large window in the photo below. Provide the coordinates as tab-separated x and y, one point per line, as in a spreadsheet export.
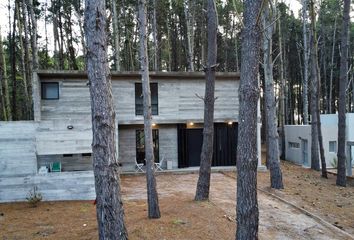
139	109
140	145
50	90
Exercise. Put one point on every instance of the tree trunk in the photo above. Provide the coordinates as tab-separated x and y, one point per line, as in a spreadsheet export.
109	209
341	177
314	93
4	84
33	36
116	50
27	104
282	97
306	64
27	47
247	154
153	201
154	35
13	68
271	121
189	15
332	68
206	156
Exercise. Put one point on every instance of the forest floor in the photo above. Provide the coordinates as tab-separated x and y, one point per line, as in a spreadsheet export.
183	218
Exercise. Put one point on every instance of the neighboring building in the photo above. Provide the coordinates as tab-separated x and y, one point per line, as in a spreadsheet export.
298	141
61	130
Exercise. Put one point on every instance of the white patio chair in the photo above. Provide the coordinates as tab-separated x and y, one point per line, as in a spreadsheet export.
158	166
139	166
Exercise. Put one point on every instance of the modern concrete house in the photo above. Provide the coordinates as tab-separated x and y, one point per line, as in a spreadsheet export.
298	141
61	131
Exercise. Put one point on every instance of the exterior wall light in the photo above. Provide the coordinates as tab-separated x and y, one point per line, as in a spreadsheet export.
229	122
70	127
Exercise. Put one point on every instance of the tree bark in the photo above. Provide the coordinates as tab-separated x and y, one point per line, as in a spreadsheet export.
153	201
33	36
154	35
110	213
7	116
332	68
12	39
282	98
314	93
189	15
116	50
27	104
206	156
343	78
247	154
270	104
306	63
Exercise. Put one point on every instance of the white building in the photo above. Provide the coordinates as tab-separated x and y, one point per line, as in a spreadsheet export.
298	141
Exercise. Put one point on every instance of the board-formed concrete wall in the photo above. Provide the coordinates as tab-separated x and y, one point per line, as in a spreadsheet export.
18	148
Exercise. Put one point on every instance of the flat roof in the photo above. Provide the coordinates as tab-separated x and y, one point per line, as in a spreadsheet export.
154	75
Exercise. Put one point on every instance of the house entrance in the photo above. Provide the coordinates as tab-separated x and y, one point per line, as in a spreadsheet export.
190	142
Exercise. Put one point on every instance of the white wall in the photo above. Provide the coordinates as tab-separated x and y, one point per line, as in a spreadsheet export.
294	134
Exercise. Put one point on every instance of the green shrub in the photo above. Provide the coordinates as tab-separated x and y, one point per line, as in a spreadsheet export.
334	163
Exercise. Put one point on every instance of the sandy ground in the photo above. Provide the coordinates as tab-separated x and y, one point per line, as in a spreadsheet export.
183	218
277	219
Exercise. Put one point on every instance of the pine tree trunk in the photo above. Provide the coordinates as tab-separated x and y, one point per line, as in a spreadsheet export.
153	201
306	64
110	213
343	78
27	47
247	154
33	36
13	68
189	15
332	68
7	116
282	107
206	156
270	104
154	35
116	50
314	93
27	104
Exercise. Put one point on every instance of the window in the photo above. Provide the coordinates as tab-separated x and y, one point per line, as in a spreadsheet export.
86	154
67	155
294	145
50	90
333	146
140	145
139	109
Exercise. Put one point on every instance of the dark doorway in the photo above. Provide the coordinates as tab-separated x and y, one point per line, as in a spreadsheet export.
194	146
190	145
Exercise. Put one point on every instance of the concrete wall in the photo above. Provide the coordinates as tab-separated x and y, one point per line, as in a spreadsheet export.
53	186
177	100
18	148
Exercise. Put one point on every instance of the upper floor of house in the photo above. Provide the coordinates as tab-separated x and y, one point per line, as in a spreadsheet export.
175	96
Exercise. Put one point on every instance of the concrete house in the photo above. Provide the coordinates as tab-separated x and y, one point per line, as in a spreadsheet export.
61	131
298	141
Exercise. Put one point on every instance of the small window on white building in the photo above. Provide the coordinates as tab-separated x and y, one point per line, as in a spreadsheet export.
333	146
294	145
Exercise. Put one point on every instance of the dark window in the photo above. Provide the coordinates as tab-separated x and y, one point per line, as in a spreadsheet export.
140	145
139	109
50	90
86	154
67	155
